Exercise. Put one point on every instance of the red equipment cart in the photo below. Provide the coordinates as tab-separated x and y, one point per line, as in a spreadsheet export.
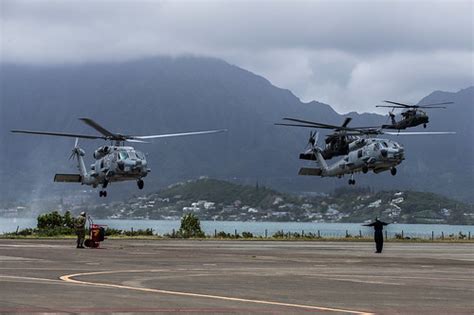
96	234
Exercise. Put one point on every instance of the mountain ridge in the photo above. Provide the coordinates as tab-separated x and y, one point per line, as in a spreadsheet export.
159	95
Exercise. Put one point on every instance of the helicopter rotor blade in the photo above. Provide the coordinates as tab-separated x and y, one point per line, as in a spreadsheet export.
400	104
434	104
301	125
432	107
192	133
98	127
391	106
59	134
346	121
415	133
137	141
319	125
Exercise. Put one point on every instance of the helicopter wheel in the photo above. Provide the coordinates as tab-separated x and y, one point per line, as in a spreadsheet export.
424	125
140	184
352	181
103	193
365	169
393	171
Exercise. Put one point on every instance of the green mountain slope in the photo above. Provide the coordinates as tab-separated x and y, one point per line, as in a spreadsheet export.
214	199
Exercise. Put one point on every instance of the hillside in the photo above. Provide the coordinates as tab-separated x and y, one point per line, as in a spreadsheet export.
160	95
213	199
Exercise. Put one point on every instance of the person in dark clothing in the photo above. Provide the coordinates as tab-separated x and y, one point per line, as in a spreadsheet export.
378	234
80	225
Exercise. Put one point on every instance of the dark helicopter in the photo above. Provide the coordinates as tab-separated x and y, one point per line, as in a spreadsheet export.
340	142
412	117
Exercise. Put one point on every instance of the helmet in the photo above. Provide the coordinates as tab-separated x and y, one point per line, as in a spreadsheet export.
83	213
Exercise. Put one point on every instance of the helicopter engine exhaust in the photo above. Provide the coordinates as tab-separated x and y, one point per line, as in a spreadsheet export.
101	152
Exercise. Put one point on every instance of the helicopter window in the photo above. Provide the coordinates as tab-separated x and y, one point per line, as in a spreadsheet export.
359	153
132	155
385	144
140	155
123	155
377	147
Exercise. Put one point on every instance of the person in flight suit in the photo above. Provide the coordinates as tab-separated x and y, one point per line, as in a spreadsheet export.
80	225
378	234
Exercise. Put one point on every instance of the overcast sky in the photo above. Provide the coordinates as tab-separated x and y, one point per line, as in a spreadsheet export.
350	54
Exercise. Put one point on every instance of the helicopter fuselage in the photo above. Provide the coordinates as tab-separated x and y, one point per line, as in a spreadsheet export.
411	118
115	164
376	155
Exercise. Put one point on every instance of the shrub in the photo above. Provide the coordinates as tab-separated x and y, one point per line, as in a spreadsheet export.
53	224
146	232
190	226
223	234
247	235
279	234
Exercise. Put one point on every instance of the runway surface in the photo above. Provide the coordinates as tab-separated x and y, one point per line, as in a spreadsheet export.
235	277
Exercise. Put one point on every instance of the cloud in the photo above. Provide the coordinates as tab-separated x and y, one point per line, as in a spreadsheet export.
348	54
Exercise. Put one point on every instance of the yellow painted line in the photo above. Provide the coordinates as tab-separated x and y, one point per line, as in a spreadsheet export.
7	278
69	278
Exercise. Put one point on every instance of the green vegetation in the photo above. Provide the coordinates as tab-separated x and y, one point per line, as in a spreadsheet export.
190	227
219	191
51	224
218	200
132	232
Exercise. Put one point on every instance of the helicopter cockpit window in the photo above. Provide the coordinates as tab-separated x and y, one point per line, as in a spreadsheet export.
140	155
385	144
132	155
123	155
377	147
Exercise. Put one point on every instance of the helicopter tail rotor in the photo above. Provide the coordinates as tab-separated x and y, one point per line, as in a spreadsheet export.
313	139
76	150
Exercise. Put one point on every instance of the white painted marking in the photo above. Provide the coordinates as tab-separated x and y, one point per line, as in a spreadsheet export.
34	246
68	278
31	279
16	258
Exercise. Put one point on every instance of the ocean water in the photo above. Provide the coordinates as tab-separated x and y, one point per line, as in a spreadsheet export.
260	228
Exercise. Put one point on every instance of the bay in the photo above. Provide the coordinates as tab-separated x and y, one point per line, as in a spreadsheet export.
260	228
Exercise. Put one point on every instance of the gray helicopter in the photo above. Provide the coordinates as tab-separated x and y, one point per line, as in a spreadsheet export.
376	154
113	163
367	154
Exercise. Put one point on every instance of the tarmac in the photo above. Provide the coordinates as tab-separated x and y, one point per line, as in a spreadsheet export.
236	277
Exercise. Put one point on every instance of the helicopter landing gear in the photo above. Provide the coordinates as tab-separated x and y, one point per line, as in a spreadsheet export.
103	193
393	171
104	185
365	169
352	180
140	184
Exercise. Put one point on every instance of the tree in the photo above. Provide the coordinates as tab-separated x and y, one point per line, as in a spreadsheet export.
50	220
190	226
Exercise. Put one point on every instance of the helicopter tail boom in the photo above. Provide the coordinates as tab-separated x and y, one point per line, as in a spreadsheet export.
310	171
67	178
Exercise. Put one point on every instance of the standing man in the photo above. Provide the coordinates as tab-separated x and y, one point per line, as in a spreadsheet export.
80	225
378	234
